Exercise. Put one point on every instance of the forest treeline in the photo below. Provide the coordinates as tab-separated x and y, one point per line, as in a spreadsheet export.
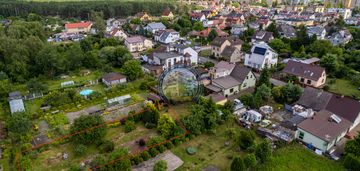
82	9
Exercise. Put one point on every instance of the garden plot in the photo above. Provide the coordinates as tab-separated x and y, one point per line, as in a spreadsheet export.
52	158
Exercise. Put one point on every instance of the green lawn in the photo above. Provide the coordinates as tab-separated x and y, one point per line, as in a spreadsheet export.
345	87
295	157
211	150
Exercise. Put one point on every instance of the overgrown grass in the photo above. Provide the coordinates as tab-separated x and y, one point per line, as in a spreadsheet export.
345	87
211	150
296	157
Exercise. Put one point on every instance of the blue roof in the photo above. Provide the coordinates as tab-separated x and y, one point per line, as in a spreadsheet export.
259	50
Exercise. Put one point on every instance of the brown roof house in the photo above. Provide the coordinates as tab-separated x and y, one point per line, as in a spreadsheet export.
167	14
262	36
112	78
228	48
323	130
229	79
308	74
318	99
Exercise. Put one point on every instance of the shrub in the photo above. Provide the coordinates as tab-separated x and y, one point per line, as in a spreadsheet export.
153	152
246	139
169	145
161	148
155	140
250	160
137	159
129	126
106	146
263	151
160	166
142	142
237	164
176	142
80	150
351	162
145	155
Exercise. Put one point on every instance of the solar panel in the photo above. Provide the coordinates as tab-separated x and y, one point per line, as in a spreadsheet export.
259	50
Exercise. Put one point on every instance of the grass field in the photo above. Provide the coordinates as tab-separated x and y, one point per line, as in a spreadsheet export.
296	158
211	150
344	87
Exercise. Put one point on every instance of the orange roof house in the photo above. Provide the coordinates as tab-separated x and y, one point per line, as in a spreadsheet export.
78	27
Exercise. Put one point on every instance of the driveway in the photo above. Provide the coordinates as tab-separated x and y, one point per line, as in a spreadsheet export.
273	81
205	59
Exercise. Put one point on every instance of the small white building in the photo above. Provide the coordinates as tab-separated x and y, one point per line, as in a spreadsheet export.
261	55
167	36
111	79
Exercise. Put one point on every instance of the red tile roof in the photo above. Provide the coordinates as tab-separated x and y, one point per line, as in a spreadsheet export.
78	25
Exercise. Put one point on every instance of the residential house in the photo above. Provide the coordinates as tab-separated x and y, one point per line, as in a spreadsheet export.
117	33
154	27
115	23
167	36
179	54
16	102
262	36
264	22
228	48
137	43
221	69
237	30
197	16
82	27
308	74
205	33
340	38
261	55
346	107
112	79
319	31
323	130
167	14
230	80
143	16
287	31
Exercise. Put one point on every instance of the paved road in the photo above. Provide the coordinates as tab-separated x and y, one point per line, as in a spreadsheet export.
273	81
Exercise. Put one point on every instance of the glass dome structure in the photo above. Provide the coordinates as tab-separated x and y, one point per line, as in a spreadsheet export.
179	84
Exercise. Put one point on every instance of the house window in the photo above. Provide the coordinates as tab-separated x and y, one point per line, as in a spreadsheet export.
250	76
244	85
301	135
231	90
322	80
302	80
308	82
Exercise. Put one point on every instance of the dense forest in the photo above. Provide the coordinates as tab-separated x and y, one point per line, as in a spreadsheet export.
82	9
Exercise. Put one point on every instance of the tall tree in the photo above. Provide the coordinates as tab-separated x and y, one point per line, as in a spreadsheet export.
263	151
264	77
94	135
212	35
272	28
132	69
99	24
165	125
